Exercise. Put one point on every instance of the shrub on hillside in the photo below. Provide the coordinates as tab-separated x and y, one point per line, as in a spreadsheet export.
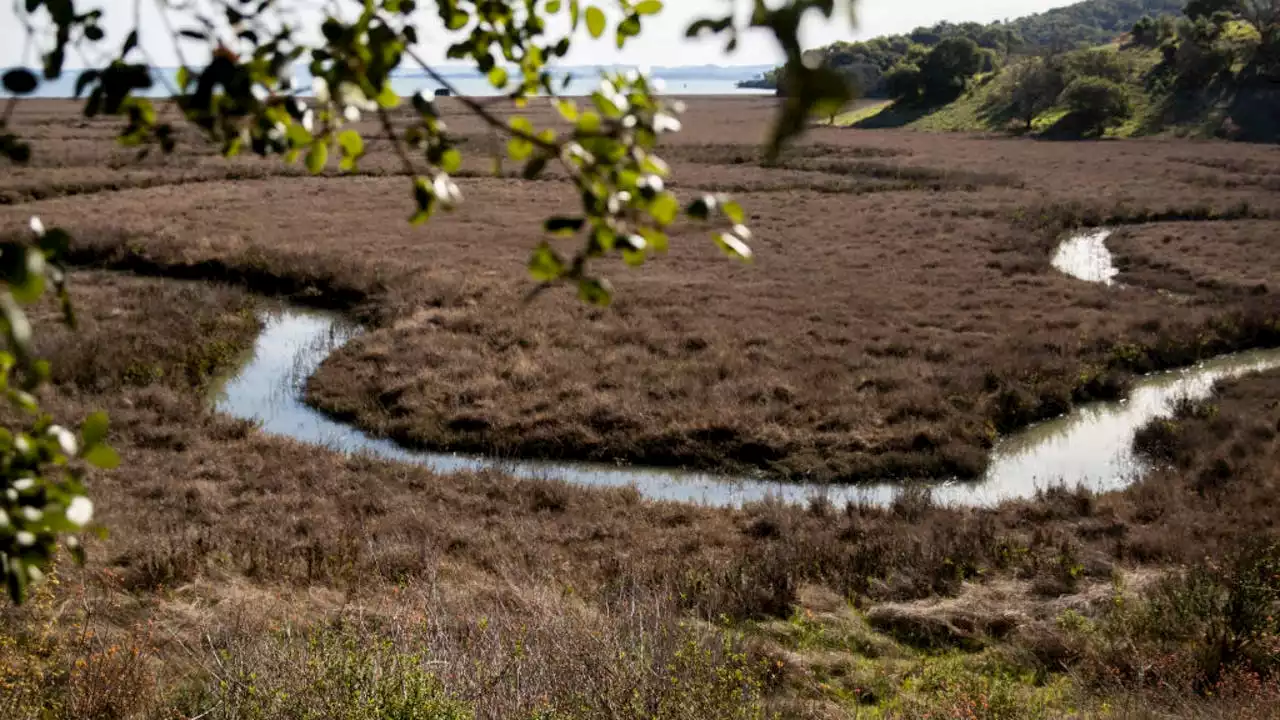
1026	90
947	68
941	75
1096	104
1096	62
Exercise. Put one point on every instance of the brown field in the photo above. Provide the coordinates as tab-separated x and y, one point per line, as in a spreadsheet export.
901	309
225	542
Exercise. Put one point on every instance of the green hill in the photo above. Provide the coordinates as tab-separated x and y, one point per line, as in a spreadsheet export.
1215	73
1092	22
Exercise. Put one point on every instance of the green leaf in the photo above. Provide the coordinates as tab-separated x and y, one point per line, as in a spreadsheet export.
733	211
102	456
26	281
595	21
298	136
94	429
568	109
589	122
595	291
664	208
351	143
521	124
648	7
519	149
498	77
553	6
603	238
425	199
388	99
656	239
317	157
575	12
545	265
451	161
628	28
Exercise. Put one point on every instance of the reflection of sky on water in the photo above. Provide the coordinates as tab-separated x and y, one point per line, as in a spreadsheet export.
1085	256
1091	445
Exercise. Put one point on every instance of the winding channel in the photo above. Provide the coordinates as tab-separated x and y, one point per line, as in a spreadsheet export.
1090	446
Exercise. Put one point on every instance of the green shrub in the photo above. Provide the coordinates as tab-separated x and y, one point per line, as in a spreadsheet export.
1096	104
1098	63
334	675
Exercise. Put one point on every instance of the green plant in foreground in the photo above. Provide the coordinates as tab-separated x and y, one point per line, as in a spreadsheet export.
241	95
42	464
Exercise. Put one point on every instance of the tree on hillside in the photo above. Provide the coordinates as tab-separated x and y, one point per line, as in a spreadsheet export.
1092	22
903	83
1197	9
1145	32
1152	32
1264	17
1027	89
1097	62
240	96
1096	104
947	68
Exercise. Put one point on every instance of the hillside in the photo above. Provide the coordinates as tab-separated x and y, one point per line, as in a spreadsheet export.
1195	75
983	107
1091	22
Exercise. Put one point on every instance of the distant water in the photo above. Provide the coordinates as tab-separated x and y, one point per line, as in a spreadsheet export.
721	81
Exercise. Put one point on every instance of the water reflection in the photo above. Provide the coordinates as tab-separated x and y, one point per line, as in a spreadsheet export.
1085	256
1090	446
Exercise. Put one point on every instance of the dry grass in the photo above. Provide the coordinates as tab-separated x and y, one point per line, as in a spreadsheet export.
901	307
1189	257
847	351
284	547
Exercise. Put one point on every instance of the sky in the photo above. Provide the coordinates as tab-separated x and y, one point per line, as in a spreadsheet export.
663	42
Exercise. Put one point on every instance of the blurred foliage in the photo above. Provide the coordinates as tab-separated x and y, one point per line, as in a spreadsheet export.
42	464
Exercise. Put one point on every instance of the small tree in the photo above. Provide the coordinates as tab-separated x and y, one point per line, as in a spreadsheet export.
1096	104
1145	32
1197	9
1029	88
1094	62
904	82
947	68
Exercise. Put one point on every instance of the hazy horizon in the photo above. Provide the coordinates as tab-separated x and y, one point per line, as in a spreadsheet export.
663	37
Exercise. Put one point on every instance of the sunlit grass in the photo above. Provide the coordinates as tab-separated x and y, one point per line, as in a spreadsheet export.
853	117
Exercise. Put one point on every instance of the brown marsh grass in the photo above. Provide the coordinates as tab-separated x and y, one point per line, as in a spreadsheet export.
901	310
